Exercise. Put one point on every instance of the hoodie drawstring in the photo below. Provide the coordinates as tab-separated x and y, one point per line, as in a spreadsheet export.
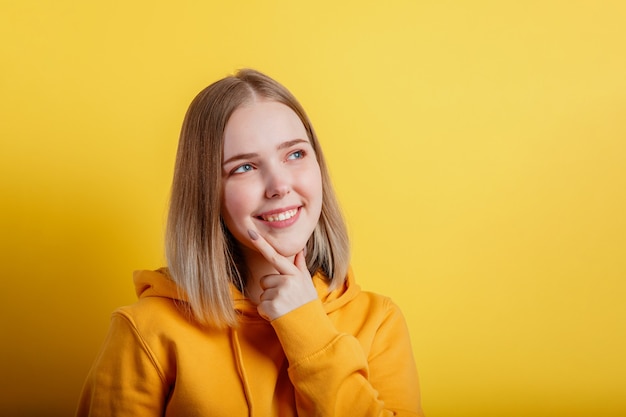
241	369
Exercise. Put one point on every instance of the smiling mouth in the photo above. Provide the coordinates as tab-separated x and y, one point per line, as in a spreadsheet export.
279	217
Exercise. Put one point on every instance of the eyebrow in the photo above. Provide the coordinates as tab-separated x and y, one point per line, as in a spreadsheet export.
283	145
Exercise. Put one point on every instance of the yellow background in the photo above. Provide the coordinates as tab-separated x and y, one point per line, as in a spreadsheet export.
478	148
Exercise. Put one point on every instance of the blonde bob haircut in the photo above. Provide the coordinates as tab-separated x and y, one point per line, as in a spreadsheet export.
203	257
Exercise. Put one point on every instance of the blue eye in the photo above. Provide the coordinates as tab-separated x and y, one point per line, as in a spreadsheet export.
296	155
243	168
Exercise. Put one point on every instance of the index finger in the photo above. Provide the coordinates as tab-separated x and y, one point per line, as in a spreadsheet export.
282	264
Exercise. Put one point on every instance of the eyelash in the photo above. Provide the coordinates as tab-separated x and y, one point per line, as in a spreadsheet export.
237	170
300	151
247	167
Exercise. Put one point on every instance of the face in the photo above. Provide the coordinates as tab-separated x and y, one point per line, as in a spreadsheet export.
271	178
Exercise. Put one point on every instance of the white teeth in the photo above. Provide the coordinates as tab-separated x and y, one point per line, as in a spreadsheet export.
279	217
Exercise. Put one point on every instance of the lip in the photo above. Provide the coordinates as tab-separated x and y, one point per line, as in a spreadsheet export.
279	224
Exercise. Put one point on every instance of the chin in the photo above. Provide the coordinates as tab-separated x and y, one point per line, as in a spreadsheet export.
288	249
288	252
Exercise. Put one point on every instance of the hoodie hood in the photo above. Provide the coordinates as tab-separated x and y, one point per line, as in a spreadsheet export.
156	284
159	284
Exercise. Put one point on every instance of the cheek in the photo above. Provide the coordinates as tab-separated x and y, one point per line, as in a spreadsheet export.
314	182
233	206
312	188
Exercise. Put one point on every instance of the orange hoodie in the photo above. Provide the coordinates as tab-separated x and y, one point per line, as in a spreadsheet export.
346	354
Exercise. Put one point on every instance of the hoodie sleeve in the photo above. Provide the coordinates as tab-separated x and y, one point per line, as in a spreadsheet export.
125	379
333	375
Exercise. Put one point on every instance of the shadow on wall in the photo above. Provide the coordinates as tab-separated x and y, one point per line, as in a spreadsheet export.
68	257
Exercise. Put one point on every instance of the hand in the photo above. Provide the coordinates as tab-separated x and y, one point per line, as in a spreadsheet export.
291	288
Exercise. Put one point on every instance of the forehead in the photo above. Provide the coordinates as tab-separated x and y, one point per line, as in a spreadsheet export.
260	124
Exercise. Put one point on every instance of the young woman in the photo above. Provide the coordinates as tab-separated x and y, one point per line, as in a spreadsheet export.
257	313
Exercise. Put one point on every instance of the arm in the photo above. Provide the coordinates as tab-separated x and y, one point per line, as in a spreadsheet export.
330	371
332	375
392	366
125	379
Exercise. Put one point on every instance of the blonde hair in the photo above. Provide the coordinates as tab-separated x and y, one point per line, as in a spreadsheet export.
202	255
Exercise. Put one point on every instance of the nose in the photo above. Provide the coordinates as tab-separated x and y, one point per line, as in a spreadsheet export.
277	183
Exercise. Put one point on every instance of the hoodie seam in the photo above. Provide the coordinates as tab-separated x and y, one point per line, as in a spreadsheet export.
144	345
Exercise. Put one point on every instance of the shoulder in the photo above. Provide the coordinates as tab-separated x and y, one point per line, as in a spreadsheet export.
162	321
374	303
154	325
366	310
155	328
146	310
